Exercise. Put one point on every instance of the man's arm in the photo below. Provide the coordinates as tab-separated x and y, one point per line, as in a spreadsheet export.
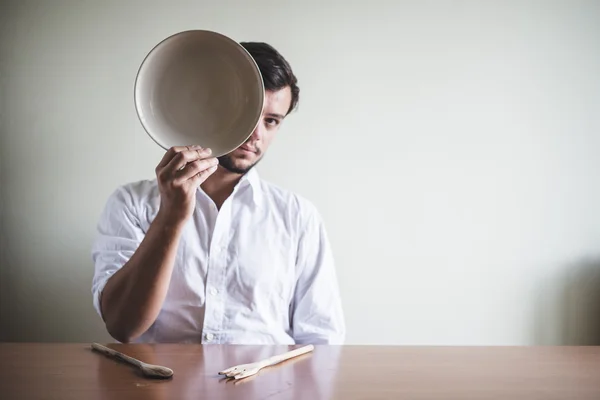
317	315
133	296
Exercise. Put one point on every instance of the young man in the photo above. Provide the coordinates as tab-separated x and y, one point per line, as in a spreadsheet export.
208	252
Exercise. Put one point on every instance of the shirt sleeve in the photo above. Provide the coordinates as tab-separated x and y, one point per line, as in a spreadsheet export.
317	315
118	236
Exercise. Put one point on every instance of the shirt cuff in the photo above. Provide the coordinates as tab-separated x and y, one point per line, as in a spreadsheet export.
97	296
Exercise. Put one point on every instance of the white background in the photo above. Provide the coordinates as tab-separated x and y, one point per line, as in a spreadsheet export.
451	146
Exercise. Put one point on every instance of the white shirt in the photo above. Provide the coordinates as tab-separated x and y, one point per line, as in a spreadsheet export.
258	271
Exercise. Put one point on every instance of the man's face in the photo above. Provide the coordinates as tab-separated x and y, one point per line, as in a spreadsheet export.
242	159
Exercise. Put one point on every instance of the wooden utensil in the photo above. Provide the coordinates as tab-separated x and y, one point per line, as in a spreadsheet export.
245	370
149	370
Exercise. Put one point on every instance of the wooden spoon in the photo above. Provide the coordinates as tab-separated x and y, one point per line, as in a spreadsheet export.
149	370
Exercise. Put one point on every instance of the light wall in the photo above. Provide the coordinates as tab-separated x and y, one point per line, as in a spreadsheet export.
451	146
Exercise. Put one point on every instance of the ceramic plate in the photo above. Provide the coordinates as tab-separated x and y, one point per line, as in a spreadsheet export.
199	87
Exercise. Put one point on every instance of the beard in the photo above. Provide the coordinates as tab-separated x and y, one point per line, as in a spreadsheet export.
228	162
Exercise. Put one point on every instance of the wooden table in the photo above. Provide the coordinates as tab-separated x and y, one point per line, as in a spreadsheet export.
73	371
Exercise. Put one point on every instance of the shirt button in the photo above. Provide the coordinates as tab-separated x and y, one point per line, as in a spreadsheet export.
209	336
213	291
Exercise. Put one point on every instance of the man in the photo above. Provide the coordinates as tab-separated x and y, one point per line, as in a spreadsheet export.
208	252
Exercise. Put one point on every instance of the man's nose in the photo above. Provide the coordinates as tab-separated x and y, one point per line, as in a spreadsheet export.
258	132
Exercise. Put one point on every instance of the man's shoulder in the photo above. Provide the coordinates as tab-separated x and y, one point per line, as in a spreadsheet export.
288	200
136	193
136	201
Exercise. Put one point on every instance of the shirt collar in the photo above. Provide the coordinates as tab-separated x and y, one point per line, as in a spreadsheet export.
253	179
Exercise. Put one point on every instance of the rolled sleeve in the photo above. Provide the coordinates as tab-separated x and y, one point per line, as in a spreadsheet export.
118	236
317	315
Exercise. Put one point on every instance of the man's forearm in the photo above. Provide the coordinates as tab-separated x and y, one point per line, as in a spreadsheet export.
133	296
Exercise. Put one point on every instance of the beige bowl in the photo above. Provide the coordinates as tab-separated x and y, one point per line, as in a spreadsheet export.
199	88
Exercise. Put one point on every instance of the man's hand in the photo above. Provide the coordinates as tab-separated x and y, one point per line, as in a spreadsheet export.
181	171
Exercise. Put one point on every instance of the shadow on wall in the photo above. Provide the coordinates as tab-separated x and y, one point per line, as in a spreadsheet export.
568	311
45	281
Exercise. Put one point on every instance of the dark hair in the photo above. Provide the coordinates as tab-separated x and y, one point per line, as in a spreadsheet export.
275	70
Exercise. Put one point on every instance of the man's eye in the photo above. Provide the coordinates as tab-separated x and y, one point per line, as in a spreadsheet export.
271	121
